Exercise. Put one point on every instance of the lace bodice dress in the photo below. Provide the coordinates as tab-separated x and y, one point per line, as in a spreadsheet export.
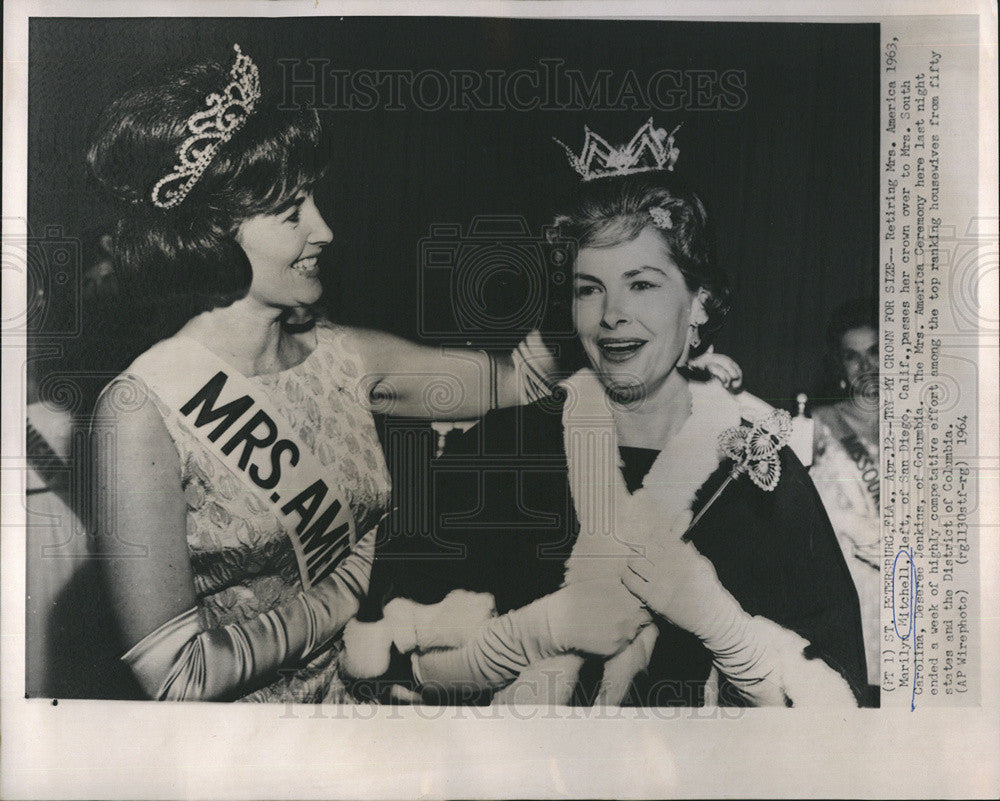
241	557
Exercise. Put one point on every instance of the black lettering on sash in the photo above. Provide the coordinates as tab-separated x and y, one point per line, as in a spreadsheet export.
207	396
306	503
322	549
272	480
247	436
863	461
331	557
317	531
317	558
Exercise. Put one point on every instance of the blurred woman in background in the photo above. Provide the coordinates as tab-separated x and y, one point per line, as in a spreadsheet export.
845	465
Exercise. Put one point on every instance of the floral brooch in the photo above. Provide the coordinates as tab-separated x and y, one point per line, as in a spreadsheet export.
753	449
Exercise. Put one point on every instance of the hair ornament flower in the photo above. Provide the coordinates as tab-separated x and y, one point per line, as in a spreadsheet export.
661	218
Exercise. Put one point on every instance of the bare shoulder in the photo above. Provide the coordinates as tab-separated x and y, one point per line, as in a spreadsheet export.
366	341
127	398
128	413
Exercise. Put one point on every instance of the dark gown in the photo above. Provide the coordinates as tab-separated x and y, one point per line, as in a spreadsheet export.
501	520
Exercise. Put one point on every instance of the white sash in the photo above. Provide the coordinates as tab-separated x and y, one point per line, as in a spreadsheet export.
238	422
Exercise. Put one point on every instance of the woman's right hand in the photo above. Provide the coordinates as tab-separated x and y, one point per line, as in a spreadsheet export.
591	617
594	617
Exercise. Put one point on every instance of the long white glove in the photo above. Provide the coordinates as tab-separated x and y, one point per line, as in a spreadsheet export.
181	660
763	661
535	368
590	617
413	627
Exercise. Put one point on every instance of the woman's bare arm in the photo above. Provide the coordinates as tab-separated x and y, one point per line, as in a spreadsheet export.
141	526
439	383
141	515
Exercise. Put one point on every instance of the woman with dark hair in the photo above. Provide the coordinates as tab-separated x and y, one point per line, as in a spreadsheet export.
240	480
641	477
846	459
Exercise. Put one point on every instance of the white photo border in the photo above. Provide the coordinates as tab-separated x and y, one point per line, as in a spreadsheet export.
143	750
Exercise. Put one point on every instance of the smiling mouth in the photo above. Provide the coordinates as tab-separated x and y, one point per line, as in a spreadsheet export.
308	267
619	350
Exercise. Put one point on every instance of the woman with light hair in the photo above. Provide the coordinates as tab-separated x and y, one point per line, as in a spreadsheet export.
644	482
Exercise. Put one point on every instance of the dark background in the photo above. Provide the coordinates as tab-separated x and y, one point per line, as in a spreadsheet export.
789	177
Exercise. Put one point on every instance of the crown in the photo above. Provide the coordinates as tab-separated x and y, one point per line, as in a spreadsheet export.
650	149
210	129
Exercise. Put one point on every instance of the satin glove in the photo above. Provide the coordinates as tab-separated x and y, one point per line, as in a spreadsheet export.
181	660
679	584
411	626
535	367
726	370
763	661
593	617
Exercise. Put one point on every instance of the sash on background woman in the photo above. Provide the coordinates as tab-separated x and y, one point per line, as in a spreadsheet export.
846	473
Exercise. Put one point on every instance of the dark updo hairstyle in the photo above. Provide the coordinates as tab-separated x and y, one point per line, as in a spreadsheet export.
610	211
857	313
186	258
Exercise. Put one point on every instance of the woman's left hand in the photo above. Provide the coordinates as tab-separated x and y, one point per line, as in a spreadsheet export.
448	623
721	367
674	581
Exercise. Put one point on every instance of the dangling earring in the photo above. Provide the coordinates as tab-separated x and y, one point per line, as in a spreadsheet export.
693	339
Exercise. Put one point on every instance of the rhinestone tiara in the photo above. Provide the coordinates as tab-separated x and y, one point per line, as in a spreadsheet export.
223	116
650	149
